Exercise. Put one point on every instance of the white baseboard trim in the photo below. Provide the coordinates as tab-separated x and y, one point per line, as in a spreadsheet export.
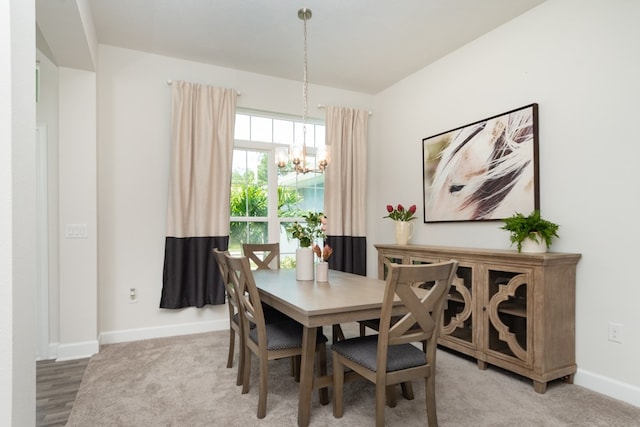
127	335
76	350
608	386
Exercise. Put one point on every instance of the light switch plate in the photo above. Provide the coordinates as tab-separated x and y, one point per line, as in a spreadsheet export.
76	231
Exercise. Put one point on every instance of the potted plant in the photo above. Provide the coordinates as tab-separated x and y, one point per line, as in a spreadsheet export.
532	228
314	228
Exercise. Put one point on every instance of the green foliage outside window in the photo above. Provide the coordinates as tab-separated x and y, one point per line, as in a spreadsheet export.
249	199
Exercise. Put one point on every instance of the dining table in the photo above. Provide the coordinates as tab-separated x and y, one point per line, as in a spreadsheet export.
344	298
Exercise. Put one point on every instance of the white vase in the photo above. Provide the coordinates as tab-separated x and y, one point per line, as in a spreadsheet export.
304	264
532	247
322	272
404	231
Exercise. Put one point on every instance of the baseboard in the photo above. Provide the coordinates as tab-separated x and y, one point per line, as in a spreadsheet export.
607	386
127	335
76	350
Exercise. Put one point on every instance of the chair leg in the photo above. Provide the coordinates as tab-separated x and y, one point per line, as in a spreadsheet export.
321	367
241	355
292	366
407	390
262	397
381	394
391	396
295	367
337	333
232	343
430	392
246	371
338	386
362	330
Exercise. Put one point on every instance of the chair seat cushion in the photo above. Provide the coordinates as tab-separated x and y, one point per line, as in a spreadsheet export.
364	351
285	335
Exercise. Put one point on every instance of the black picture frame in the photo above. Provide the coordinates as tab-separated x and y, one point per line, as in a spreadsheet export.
483	171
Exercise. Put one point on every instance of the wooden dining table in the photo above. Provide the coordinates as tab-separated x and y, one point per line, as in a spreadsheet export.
344	298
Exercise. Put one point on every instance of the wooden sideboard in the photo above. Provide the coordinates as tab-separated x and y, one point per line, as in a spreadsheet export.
508	309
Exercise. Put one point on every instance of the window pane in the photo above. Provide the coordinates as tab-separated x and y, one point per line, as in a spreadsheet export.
243	127
283	131
246	232
261	129
288	247
249	183
298	193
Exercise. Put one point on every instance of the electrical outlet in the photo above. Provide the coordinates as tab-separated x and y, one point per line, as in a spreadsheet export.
616	332
133	295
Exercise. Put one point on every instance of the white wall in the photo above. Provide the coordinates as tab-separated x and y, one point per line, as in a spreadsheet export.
17	214
78	327
579	61
133	155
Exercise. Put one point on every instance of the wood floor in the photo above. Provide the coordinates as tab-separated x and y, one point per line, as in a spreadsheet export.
57	384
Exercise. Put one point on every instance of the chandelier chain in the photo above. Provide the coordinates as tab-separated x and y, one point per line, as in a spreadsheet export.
304	76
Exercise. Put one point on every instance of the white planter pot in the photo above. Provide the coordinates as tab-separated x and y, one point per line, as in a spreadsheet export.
532	247
304	264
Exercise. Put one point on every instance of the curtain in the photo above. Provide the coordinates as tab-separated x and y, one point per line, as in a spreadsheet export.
202	126
345	188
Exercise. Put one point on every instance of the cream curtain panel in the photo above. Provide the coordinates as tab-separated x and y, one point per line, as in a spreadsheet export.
345	188
202	127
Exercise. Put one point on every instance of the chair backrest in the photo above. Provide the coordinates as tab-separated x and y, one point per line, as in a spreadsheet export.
248	296
226	279
422	321
270	259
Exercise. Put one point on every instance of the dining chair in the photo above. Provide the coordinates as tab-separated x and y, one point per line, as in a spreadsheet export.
390	357
374	324
268	341
266	256
235	319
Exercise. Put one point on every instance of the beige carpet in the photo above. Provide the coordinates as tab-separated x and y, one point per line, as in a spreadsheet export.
183	381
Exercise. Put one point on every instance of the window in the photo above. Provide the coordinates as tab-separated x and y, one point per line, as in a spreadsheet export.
265	199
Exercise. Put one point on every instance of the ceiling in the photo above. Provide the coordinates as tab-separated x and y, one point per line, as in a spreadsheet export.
359	45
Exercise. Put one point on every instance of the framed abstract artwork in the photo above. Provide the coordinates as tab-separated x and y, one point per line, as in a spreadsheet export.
485	170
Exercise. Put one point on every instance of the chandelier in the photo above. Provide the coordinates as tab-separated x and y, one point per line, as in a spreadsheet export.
298	154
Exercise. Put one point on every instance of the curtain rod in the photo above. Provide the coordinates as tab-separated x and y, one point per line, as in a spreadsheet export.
170	82
322	107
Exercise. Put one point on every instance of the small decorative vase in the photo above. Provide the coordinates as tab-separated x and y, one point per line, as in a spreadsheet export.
532	247
404	231
304	264
322	272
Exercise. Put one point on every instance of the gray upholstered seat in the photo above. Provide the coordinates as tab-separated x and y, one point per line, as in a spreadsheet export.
363	350
284	335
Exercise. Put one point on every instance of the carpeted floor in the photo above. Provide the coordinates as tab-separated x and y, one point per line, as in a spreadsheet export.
183	381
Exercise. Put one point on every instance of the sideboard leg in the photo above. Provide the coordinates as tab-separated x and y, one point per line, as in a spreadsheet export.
482	364
539	387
